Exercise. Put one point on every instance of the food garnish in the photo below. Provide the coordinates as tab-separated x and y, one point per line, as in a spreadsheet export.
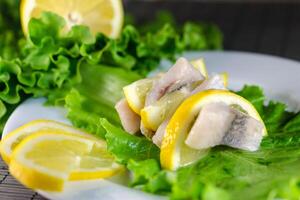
46	154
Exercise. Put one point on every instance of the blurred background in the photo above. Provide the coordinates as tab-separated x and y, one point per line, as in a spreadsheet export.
264	26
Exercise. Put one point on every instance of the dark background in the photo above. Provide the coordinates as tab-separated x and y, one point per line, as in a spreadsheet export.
268	27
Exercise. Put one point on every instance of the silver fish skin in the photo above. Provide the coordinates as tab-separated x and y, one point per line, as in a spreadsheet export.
244	133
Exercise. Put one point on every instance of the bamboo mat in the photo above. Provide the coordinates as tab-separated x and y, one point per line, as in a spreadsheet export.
11	189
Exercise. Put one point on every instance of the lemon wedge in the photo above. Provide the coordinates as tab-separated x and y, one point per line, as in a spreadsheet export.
11	140
47	159
225	78
136	93
199	64
105	16
153	115
174	153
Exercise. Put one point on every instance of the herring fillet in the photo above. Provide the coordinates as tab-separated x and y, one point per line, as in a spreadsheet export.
245	132
209	128
129	119
214	82
181	73
219	124
160	132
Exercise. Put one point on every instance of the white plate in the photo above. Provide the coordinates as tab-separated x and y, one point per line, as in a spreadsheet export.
279	77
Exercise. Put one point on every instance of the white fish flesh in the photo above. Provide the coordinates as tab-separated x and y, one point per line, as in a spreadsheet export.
129	119
181	74
160	132
210	126
213	82
219	124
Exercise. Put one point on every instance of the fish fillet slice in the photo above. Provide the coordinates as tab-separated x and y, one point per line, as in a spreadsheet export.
182	73
219	124
129	119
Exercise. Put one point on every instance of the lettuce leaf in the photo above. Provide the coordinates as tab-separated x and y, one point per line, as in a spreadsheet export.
143	170
255	95
293	125
194	35
274	114
126	146
147	175
227	173
95	97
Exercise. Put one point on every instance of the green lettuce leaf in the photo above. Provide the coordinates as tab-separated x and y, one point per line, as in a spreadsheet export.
274	114
48	25
104	84
143	170
147	175
82	118
293	125
126	146
255	95
194	36
226	173
95	97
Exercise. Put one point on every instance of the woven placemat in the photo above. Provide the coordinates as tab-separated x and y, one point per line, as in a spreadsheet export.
11	189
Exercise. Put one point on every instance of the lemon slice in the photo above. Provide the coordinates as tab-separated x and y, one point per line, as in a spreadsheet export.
11	140
47	159
98	163
174	153
152	116
136	93
200	65
105	16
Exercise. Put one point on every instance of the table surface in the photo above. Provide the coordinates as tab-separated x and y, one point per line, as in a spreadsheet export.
263	28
